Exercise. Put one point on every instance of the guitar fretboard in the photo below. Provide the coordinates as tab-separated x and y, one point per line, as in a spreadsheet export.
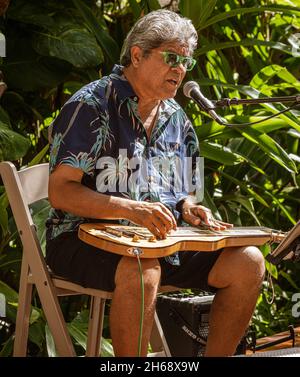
189	231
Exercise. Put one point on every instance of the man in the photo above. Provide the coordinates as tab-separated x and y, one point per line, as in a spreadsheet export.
130	118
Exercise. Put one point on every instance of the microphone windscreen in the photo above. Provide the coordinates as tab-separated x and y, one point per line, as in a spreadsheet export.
188	87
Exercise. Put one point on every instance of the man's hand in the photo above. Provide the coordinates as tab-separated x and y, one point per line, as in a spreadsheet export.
154	216
198	215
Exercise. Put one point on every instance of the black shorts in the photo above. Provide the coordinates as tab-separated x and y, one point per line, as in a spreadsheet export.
75	260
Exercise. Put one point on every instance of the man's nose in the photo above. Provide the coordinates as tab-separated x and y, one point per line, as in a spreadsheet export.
180	68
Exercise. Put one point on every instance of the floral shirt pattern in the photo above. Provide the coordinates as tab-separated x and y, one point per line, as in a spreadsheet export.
99	131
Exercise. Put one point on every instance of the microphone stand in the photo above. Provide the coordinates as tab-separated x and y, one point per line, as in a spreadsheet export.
227	102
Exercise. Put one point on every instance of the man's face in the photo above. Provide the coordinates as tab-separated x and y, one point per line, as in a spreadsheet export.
157	79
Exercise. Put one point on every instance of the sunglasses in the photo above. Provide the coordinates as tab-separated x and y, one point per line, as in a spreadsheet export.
173	60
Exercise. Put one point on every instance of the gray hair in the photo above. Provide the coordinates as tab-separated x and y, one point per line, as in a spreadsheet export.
158	27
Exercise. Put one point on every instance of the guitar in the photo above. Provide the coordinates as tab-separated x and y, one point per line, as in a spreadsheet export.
135	240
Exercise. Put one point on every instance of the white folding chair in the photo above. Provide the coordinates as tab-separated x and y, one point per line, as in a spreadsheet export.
23	188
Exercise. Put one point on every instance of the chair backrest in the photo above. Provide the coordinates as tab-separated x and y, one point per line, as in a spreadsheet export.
34	181
23	188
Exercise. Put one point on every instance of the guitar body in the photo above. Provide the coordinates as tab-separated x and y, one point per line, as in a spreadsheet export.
129	240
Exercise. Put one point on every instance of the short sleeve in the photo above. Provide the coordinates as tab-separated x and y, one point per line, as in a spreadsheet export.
76	136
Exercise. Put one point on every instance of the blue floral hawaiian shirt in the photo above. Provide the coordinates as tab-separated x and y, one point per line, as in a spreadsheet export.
99	131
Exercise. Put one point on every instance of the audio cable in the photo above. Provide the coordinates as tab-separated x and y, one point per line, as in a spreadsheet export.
137	252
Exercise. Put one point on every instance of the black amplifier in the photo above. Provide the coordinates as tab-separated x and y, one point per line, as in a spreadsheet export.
185	321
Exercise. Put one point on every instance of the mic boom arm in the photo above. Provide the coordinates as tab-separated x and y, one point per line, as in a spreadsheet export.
227	102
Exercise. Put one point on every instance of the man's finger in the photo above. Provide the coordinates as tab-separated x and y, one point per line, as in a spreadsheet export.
161	229
190	217
170	215
228	225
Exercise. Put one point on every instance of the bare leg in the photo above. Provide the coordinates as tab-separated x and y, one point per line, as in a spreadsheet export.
126	305
238	273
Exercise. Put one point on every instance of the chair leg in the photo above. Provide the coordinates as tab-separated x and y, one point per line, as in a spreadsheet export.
47	294
95	326
158	341
23	313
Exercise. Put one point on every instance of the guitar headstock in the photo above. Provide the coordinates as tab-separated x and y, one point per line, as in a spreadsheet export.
277	236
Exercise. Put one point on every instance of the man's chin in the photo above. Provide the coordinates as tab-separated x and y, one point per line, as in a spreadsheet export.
171	94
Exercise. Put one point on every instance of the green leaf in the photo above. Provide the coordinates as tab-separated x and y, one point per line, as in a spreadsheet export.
71	43
197	10
7	348
12	298
4	117
219	153
10	294
79	332
272	269
40	215
294	157
270	147
245	42
78	328
267	73
209	203
294	133
36	315
243	11
12	145
37	333
246	203
39	157
28	71
249	161
282	207
97	27
70	87
246	187
214	130
290	280
264	75
51	349
3	221
106	348
136	9
31	12
153	4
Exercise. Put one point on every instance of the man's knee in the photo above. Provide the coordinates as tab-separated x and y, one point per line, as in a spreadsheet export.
253	261
151	274
238	265
129	275
250	267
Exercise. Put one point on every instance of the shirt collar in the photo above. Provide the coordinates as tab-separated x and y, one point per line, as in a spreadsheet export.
123	87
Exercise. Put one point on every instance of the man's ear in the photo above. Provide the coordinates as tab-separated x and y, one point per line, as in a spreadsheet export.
136	55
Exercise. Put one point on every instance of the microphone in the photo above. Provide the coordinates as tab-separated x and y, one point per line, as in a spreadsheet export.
192	90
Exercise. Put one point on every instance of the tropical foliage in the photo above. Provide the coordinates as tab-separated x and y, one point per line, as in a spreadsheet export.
247	49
